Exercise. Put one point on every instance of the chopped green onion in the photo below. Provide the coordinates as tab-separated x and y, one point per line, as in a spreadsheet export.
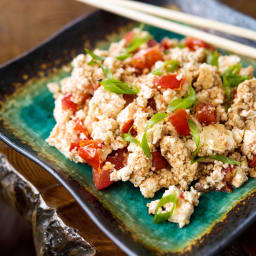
195	135
106	71
94	56
169	66
212	58
118	87
123	56
181	46
231	79
145	146
97	60
158	117
160	217
220	158
129	138
186	102
134	45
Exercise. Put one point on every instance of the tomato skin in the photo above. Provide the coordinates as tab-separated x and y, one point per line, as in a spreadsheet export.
146	58
118	158
129	36
74	145
194	43
169	81
180	122
88	150
205	114
152	103
129	98
166	43
67	103
80	129
252	163
101	178
158	161
126	126
152	42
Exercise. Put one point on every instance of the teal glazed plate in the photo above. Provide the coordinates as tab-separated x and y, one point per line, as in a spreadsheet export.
26	119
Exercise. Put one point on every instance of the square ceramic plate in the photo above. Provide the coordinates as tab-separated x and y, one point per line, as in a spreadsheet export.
26	119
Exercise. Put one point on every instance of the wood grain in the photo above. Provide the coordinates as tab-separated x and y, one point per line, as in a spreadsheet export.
23	25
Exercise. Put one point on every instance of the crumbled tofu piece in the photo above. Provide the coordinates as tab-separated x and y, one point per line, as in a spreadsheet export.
54	89
214	96
162	179
226	61
243	108
248	71
216	139
127	113
186	56
103	105
184	208
104	130
61	137
214	180
140	121
155	133
249	143
207	77
178	156
139	165
240	176
122	174
59	114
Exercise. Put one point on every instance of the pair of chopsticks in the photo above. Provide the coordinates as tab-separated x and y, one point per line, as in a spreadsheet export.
146	13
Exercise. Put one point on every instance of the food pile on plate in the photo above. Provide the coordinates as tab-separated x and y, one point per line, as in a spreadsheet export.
175	115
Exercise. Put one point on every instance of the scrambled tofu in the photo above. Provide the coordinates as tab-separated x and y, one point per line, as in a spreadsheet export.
128	114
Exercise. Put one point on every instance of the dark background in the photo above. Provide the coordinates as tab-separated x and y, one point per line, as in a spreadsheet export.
23	25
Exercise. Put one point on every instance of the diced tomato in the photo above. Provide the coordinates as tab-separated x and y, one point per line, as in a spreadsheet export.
126	126
228	174
67	103
151	42
95	143
129	98
227	188
129	36
252	163
88	150
151	103
194	43
169	81
74	145
205	114
81	129
227	179
146	58
179	121
182	195
166	43
158	161
101	178
118	158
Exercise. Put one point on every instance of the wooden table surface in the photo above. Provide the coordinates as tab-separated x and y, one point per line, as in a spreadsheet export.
23	25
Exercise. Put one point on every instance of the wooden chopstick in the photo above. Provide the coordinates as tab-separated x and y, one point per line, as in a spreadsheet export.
220	42
187	18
